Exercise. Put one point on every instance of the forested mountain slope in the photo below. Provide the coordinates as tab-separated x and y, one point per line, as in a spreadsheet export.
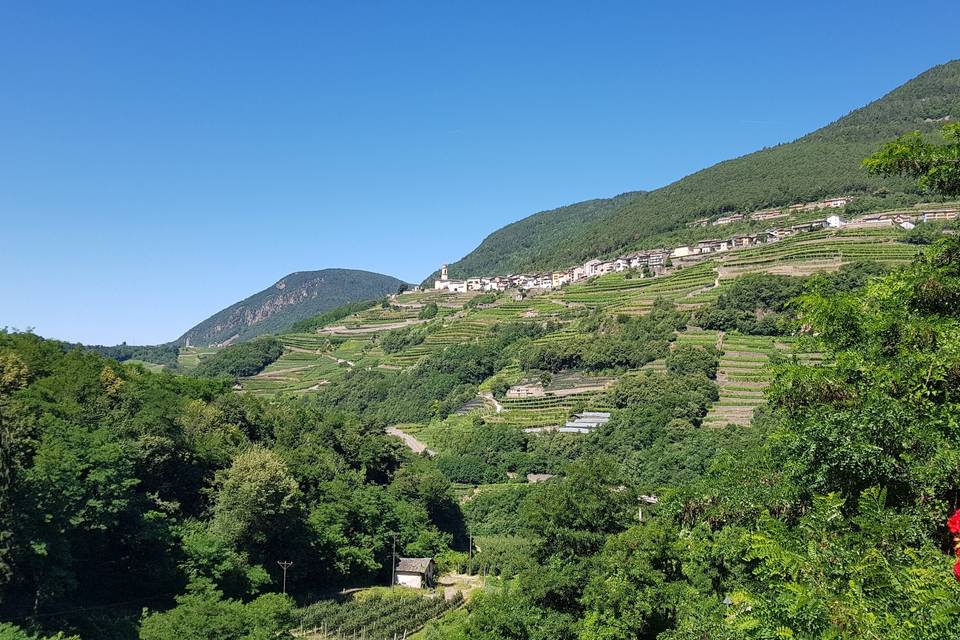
823	163
294	297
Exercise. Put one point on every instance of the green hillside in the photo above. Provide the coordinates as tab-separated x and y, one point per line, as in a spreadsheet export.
823	163
295	297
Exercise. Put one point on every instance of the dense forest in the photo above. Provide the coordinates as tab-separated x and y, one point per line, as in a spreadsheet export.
821	164
123	488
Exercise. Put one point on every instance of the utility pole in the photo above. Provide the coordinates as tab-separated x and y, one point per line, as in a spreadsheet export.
393	562
470	546
285	564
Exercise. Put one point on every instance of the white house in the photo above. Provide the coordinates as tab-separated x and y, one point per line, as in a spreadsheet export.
590	267
834	222
456	286
445	284
681	252
415	572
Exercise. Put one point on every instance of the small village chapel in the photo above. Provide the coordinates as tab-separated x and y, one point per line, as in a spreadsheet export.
415	572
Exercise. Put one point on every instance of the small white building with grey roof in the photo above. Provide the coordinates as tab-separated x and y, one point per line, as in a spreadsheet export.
417	573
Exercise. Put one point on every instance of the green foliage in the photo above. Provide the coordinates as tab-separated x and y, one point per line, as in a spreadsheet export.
823	519
429	311
397	340
691	359
752	304
115	473
327	318
935	167
482	299
165	354
242	360
759	303
867	575
892	391
621	343
12	632
440	383
203	614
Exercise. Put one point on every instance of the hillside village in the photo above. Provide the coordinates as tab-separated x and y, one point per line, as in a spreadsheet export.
658	261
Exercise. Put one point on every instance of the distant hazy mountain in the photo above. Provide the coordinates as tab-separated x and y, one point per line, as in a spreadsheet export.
820	164
294	297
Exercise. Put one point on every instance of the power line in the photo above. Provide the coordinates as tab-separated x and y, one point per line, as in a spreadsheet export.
113	605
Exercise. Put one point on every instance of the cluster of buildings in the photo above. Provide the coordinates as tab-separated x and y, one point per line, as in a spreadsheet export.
656	261
907	219
773	214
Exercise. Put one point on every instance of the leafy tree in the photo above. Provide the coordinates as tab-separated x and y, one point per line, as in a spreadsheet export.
429	311
257	504
203	614
689	359
12	632
935	167
242	360
858	577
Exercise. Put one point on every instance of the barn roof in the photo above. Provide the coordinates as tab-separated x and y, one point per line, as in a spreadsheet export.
414	565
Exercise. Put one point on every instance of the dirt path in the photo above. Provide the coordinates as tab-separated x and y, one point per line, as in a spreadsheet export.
373	328
302	350
415	445
489	398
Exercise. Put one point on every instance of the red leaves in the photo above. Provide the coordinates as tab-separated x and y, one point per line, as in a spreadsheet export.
953	524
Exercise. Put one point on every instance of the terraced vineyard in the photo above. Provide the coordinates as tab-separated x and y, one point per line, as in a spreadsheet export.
621	294
745	373
189	358
457	332
373	616
311	361
822	250
549	410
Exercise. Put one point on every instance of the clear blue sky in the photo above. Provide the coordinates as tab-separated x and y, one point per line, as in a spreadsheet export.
162	160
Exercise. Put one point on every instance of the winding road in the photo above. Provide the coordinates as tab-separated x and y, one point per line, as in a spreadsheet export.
415	445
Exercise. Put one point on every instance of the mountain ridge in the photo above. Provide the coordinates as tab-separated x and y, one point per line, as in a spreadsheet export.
296	296
822	163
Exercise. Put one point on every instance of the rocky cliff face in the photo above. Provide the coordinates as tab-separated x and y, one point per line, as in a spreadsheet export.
294	297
